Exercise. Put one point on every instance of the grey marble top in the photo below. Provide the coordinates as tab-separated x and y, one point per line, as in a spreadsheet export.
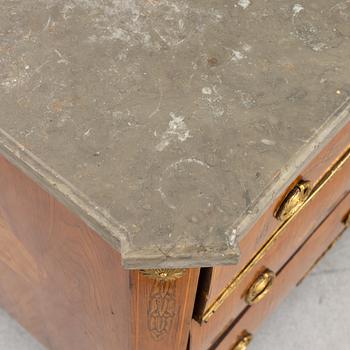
169	126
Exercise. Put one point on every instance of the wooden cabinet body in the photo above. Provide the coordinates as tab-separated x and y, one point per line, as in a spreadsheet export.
67	286
168	169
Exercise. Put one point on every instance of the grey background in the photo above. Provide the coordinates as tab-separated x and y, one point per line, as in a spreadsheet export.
316	315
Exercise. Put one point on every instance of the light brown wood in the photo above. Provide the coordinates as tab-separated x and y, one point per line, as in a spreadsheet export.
59	279
220	276
163	311
288	277
66	285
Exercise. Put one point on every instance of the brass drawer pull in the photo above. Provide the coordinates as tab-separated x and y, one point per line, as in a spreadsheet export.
260	287
243	342
294	200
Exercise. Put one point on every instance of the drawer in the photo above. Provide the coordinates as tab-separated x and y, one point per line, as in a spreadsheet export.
286	278
215	280
288	237
279	249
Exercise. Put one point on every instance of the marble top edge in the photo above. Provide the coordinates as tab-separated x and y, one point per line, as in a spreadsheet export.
170	127
116	234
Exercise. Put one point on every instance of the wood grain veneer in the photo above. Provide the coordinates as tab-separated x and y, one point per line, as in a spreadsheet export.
59	279
162	311
66	285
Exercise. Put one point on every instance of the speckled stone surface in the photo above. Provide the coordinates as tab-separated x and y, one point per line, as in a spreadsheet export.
168	126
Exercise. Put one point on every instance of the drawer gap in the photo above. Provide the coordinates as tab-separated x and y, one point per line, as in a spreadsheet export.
202	292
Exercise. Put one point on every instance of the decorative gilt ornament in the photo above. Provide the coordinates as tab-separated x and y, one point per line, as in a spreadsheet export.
294	200
244	342
164	274
260	287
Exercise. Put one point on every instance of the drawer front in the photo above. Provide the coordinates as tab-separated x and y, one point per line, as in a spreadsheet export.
287	278
218	278
289	237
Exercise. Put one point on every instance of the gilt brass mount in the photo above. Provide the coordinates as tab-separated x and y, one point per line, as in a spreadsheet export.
260	287
164	274
294	200
243	342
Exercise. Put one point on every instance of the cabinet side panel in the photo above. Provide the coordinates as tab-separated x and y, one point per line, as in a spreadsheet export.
162	311
59	279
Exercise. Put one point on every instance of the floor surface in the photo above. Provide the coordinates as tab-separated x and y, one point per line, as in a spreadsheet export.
316	315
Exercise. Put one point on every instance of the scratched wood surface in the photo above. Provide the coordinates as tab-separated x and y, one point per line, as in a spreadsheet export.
59	279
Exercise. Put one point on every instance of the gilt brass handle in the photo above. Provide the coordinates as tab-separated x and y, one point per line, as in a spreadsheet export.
294	200
260	287
243	342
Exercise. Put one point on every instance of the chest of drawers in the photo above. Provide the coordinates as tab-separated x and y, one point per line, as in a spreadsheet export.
169	170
